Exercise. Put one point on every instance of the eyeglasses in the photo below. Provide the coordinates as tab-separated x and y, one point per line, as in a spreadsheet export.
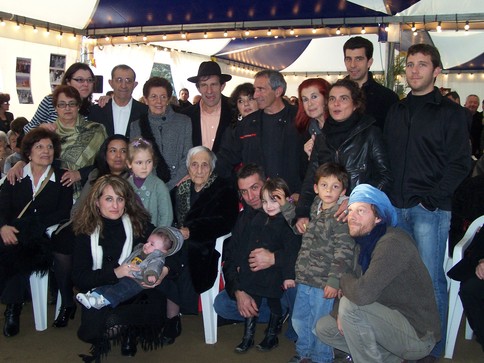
120	80
158	97
70	104
84	80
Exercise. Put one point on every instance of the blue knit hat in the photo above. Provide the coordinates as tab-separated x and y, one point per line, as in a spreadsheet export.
365	193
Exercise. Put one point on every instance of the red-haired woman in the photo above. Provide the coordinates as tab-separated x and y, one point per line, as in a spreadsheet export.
312	110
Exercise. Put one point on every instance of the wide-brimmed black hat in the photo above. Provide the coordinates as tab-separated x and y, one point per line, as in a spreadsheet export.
210	68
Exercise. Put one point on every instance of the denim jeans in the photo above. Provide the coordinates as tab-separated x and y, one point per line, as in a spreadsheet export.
373	333
310	305
123	290
227	309
430	230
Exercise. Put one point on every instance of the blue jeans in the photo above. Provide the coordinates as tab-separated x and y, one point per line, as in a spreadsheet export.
430	230
227	309
123	290
309	307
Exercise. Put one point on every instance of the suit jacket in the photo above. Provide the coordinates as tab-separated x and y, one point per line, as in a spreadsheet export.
226	117
105	115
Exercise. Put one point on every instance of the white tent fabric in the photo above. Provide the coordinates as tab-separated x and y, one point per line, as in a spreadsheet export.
441	7
377	5
457	48
69	13
326	55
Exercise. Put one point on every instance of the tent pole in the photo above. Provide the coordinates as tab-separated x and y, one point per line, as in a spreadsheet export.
390	77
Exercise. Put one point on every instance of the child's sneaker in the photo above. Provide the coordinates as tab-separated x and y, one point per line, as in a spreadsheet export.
92	300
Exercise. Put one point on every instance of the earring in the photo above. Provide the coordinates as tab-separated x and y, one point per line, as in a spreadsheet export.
240	117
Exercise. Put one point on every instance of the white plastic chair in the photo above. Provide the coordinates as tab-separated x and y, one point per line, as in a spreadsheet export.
208	297
455	305
39	289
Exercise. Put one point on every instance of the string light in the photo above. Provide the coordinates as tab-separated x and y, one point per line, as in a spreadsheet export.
35	29
363	30
269	32
314	30
439	26
414	28
387	28
338	31
60	35
164	36
47	30
17	27
184	35
2	22
247	32
205	35
291	31
226	34
467	26
106	38
145	38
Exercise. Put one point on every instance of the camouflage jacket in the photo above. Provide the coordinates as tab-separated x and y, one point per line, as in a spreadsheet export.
327	248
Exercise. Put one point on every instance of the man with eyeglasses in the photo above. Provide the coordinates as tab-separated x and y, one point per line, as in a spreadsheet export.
211	116
233	304
122	109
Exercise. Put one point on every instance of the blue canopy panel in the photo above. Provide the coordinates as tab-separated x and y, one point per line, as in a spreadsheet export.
476	64
265	53
128	13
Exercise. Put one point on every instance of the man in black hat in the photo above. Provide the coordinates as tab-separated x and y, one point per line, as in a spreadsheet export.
211	116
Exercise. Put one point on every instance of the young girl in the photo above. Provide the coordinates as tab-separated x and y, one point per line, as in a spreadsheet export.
268	230
151	190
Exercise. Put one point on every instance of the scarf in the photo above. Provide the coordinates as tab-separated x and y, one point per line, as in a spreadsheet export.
367	245
97	251
162	169
79	145
183	197
337	132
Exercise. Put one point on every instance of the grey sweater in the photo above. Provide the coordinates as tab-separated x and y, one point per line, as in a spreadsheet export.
173	134
398	279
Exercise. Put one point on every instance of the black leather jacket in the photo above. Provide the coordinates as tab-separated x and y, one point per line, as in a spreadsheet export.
363	155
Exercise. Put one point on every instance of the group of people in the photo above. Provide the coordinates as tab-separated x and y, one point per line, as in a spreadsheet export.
154	186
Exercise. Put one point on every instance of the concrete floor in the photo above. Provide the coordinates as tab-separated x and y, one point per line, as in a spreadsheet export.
62	345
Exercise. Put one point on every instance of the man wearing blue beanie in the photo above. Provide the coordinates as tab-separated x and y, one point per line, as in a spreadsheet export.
387	312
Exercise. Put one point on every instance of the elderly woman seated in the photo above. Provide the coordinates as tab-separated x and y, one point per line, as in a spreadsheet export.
206	207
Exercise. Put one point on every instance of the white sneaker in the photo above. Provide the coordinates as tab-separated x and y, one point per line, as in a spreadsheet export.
92	301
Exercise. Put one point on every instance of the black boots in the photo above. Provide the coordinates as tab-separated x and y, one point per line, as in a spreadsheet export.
248	338
65	313
172	330
129	345
270	340
12	320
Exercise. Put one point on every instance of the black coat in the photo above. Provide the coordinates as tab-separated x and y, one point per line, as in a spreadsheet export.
226	117
211	216
275	235
429	153
105	115
245	146
50	207
363	155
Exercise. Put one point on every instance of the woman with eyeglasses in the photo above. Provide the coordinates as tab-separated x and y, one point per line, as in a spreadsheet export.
169	132
79	76
5	116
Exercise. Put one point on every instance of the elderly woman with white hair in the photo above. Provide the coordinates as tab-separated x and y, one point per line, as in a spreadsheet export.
206	207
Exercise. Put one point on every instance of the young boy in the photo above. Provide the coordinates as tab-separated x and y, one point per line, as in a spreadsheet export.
149	258
326	252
